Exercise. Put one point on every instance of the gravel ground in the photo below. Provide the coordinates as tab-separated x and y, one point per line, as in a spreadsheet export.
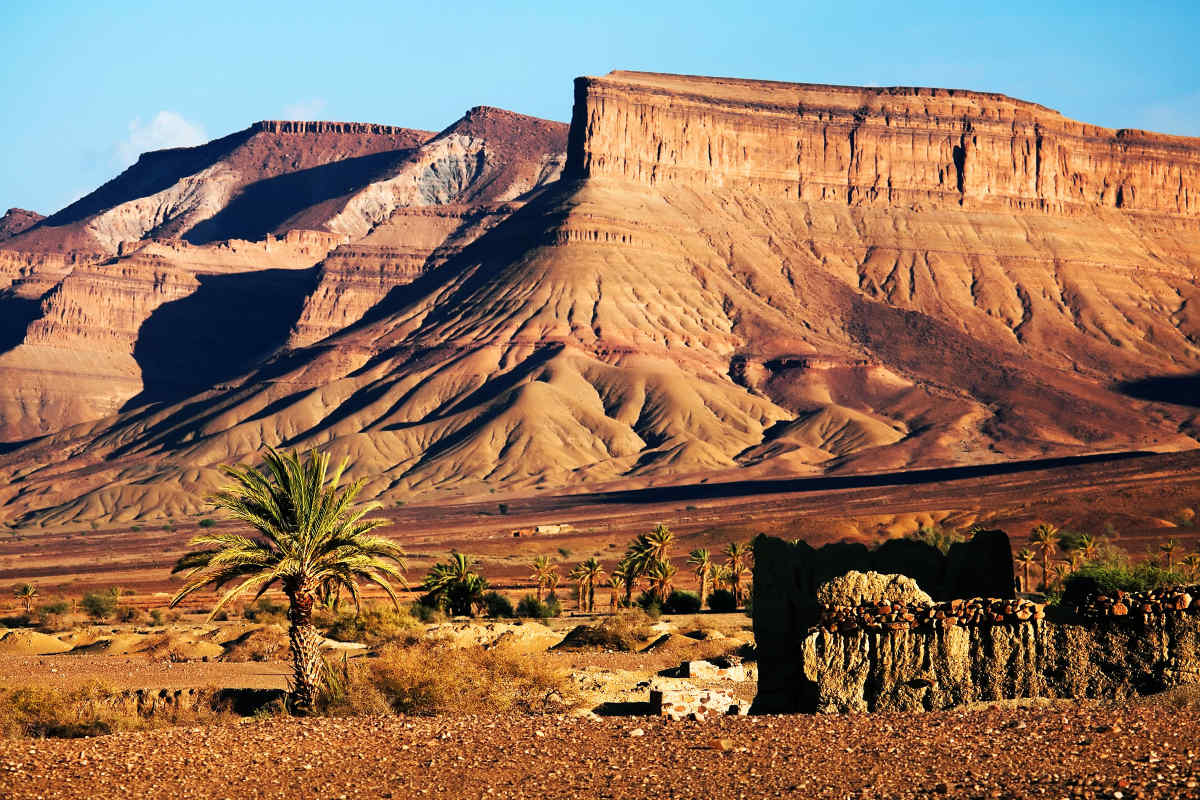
1054	753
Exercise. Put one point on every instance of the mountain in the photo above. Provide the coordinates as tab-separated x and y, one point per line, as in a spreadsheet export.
228	251
732	278
17	220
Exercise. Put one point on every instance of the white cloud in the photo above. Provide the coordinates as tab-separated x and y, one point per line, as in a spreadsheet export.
1179	115
304	109
166	129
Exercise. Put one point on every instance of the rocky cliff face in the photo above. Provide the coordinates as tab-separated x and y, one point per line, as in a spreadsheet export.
893	146
735	279
925	670
440	198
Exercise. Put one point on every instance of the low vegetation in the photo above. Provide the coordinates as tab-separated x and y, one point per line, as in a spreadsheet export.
92	710
424	678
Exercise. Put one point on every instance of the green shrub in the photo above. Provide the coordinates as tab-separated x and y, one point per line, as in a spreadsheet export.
497	605
532	608
427	613
681	602
128	614
372	625
156	616
936	536
206	523
722	600
266	611
55	607
99	605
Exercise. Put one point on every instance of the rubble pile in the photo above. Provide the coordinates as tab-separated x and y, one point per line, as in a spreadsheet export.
887	616
1141	605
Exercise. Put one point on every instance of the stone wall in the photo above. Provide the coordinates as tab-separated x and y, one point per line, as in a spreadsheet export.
932	668
884	655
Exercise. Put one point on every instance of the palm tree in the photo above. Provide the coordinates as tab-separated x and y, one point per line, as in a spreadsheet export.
720	576
456	585
576	574
1191	563
542	570
616	582
1062	571
590	572
313	540
1168	547
1045	537
1088	547
26	593
661	578
737	557
701	559
1025	557
628	571
656	543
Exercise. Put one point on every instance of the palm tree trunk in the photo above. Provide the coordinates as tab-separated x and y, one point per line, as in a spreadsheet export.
591	597
306	652
703	589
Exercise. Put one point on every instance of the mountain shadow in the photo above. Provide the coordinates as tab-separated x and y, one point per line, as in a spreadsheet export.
15	315
1182	390
153	172
220	331
263	206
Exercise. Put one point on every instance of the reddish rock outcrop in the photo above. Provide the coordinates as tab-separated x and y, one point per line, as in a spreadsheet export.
17	220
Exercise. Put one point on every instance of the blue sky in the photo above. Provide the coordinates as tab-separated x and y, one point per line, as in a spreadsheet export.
88	85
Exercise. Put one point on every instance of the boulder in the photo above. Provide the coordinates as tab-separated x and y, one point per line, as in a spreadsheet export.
856	588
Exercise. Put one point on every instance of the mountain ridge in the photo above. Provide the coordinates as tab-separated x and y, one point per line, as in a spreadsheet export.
707	293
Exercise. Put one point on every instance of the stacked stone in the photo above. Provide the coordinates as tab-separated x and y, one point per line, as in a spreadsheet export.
1151	603
695	704
889	616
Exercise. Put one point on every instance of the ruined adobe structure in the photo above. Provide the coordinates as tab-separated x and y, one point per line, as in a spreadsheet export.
893	657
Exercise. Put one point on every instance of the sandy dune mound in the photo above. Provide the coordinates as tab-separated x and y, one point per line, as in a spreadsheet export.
31	643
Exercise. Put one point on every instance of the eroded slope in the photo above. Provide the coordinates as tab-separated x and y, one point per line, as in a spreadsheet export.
735	277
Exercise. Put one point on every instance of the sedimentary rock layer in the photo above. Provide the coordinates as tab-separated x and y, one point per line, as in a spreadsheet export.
735	278
894	146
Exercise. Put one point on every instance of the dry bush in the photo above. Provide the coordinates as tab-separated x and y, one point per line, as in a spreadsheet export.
269	643
627	630
429	678
93	710
372	626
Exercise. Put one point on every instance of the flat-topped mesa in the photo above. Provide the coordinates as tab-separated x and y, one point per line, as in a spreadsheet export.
867	145
318	126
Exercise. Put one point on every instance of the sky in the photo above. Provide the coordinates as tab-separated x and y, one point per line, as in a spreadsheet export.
87	86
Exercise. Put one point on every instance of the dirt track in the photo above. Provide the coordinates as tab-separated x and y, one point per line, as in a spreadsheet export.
1140	752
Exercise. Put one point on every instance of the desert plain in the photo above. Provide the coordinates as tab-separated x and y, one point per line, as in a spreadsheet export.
821	313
